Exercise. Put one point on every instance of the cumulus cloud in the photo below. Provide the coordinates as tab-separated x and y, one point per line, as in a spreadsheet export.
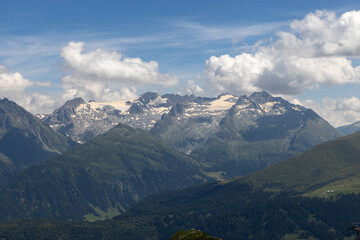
39	103
314	53
77	87
93	71
323	34
14	85
112	67
193	88
338	112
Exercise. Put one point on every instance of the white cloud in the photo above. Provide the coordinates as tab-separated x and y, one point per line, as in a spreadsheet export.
322	33
43	84
235	74
200	32
12	84
193	88
293	75
112	67
94	71
75	87
314	53
338	112
39	103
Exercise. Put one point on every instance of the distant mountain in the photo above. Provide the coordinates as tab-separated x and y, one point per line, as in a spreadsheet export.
82	121
238	136
233	135
25	140
189	124
100	178
349	129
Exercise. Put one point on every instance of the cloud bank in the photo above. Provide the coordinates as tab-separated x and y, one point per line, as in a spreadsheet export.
315	52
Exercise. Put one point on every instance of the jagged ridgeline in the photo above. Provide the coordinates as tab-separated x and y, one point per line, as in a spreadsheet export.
25	140
83	121
99	179
242	135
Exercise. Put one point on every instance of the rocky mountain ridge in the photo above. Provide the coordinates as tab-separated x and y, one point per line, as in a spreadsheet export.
83	121
238	136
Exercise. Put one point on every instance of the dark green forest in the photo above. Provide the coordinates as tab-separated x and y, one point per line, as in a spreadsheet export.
246	214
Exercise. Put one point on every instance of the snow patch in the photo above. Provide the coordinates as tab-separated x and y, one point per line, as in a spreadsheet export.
267	107
157	101
123	105
223	103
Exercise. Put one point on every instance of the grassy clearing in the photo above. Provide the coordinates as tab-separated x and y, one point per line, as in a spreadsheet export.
345	186
102	215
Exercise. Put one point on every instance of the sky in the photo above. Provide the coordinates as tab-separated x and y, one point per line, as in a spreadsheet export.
304	51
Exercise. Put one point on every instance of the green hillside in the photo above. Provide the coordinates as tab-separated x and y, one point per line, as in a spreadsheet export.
8	170
100	178
335	162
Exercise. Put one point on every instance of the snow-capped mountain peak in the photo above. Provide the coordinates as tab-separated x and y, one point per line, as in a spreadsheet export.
82	121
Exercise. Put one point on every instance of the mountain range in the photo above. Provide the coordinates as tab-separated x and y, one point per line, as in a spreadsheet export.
82	121
238	136
233	135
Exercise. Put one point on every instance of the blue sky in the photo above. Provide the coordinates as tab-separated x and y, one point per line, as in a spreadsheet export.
180	45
